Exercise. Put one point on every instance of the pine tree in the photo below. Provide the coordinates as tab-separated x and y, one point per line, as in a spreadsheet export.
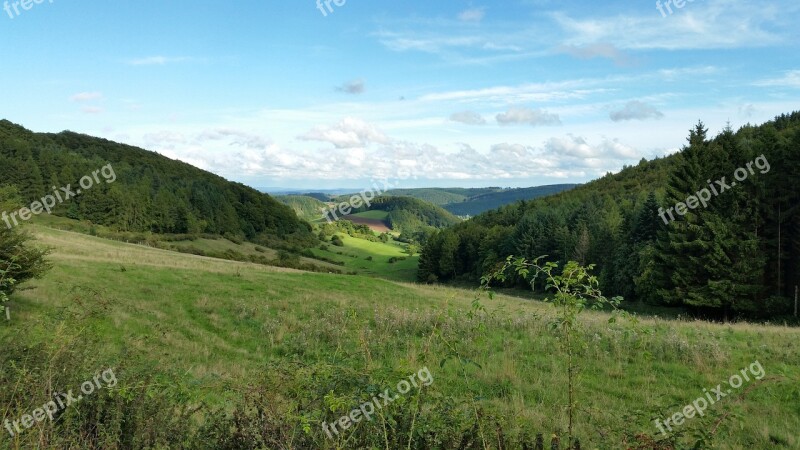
680	274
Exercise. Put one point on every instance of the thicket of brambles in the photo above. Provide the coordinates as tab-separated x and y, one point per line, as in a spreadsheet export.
152	193
740	256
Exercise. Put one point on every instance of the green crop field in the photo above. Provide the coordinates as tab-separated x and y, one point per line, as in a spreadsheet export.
374	214
356	251
187	330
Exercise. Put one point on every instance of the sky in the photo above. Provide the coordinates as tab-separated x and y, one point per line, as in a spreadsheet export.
469	93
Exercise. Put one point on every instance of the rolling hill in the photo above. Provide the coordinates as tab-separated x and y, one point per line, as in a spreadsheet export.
149	193
477	204
736	255
408	215
473	201
306	207
211	354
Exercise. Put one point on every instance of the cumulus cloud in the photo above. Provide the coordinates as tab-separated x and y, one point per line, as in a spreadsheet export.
578	147
235	137
234	152
468	117
353	87
636	110
532	117
349	133
472	15
86	96
164	139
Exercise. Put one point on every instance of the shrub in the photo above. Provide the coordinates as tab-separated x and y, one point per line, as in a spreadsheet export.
238	240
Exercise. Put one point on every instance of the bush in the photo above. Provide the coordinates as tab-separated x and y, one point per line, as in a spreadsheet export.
337	241
19	261
238	240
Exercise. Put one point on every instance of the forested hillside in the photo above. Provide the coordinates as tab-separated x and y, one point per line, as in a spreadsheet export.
473	201
150	193
480	203
413	218
306	207
740	255
437	196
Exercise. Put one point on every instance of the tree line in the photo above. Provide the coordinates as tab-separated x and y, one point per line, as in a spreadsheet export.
738	256
152	193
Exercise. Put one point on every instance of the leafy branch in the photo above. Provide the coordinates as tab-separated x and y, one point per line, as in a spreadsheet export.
575	289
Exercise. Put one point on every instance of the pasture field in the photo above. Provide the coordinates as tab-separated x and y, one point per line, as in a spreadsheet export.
187	330
356	251
374	214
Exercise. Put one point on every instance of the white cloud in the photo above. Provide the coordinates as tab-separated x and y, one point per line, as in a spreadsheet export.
472	15
790	79
578	147
164	139
92	109
712	24
533	117
86	96
236	138
531	92
349	133
636	110
598	50
468	117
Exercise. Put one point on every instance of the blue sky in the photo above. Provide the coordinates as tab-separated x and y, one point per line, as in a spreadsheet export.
429	93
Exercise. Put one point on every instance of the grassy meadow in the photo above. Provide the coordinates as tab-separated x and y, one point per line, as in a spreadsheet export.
220	338
374	214
388	260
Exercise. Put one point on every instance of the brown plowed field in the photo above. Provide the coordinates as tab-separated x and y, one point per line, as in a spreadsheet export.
374	224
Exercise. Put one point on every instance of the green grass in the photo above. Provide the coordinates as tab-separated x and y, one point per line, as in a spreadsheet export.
219	324
374	214
356	251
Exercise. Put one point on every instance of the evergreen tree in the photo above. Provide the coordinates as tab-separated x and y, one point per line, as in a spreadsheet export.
680	246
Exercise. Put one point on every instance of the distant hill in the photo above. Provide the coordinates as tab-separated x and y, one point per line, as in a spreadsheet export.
473	201
480	203
321	196
306	207
409	215
436	196
443	196
151	192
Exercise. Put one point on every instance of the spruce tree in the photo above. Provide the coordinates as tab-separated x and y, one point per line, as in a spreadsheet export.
681	275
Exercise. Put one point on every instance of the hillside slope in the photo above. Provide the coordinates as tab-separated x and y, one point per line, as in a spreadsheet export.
182	331
738	254
306	207
476	204
149	192
410	215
